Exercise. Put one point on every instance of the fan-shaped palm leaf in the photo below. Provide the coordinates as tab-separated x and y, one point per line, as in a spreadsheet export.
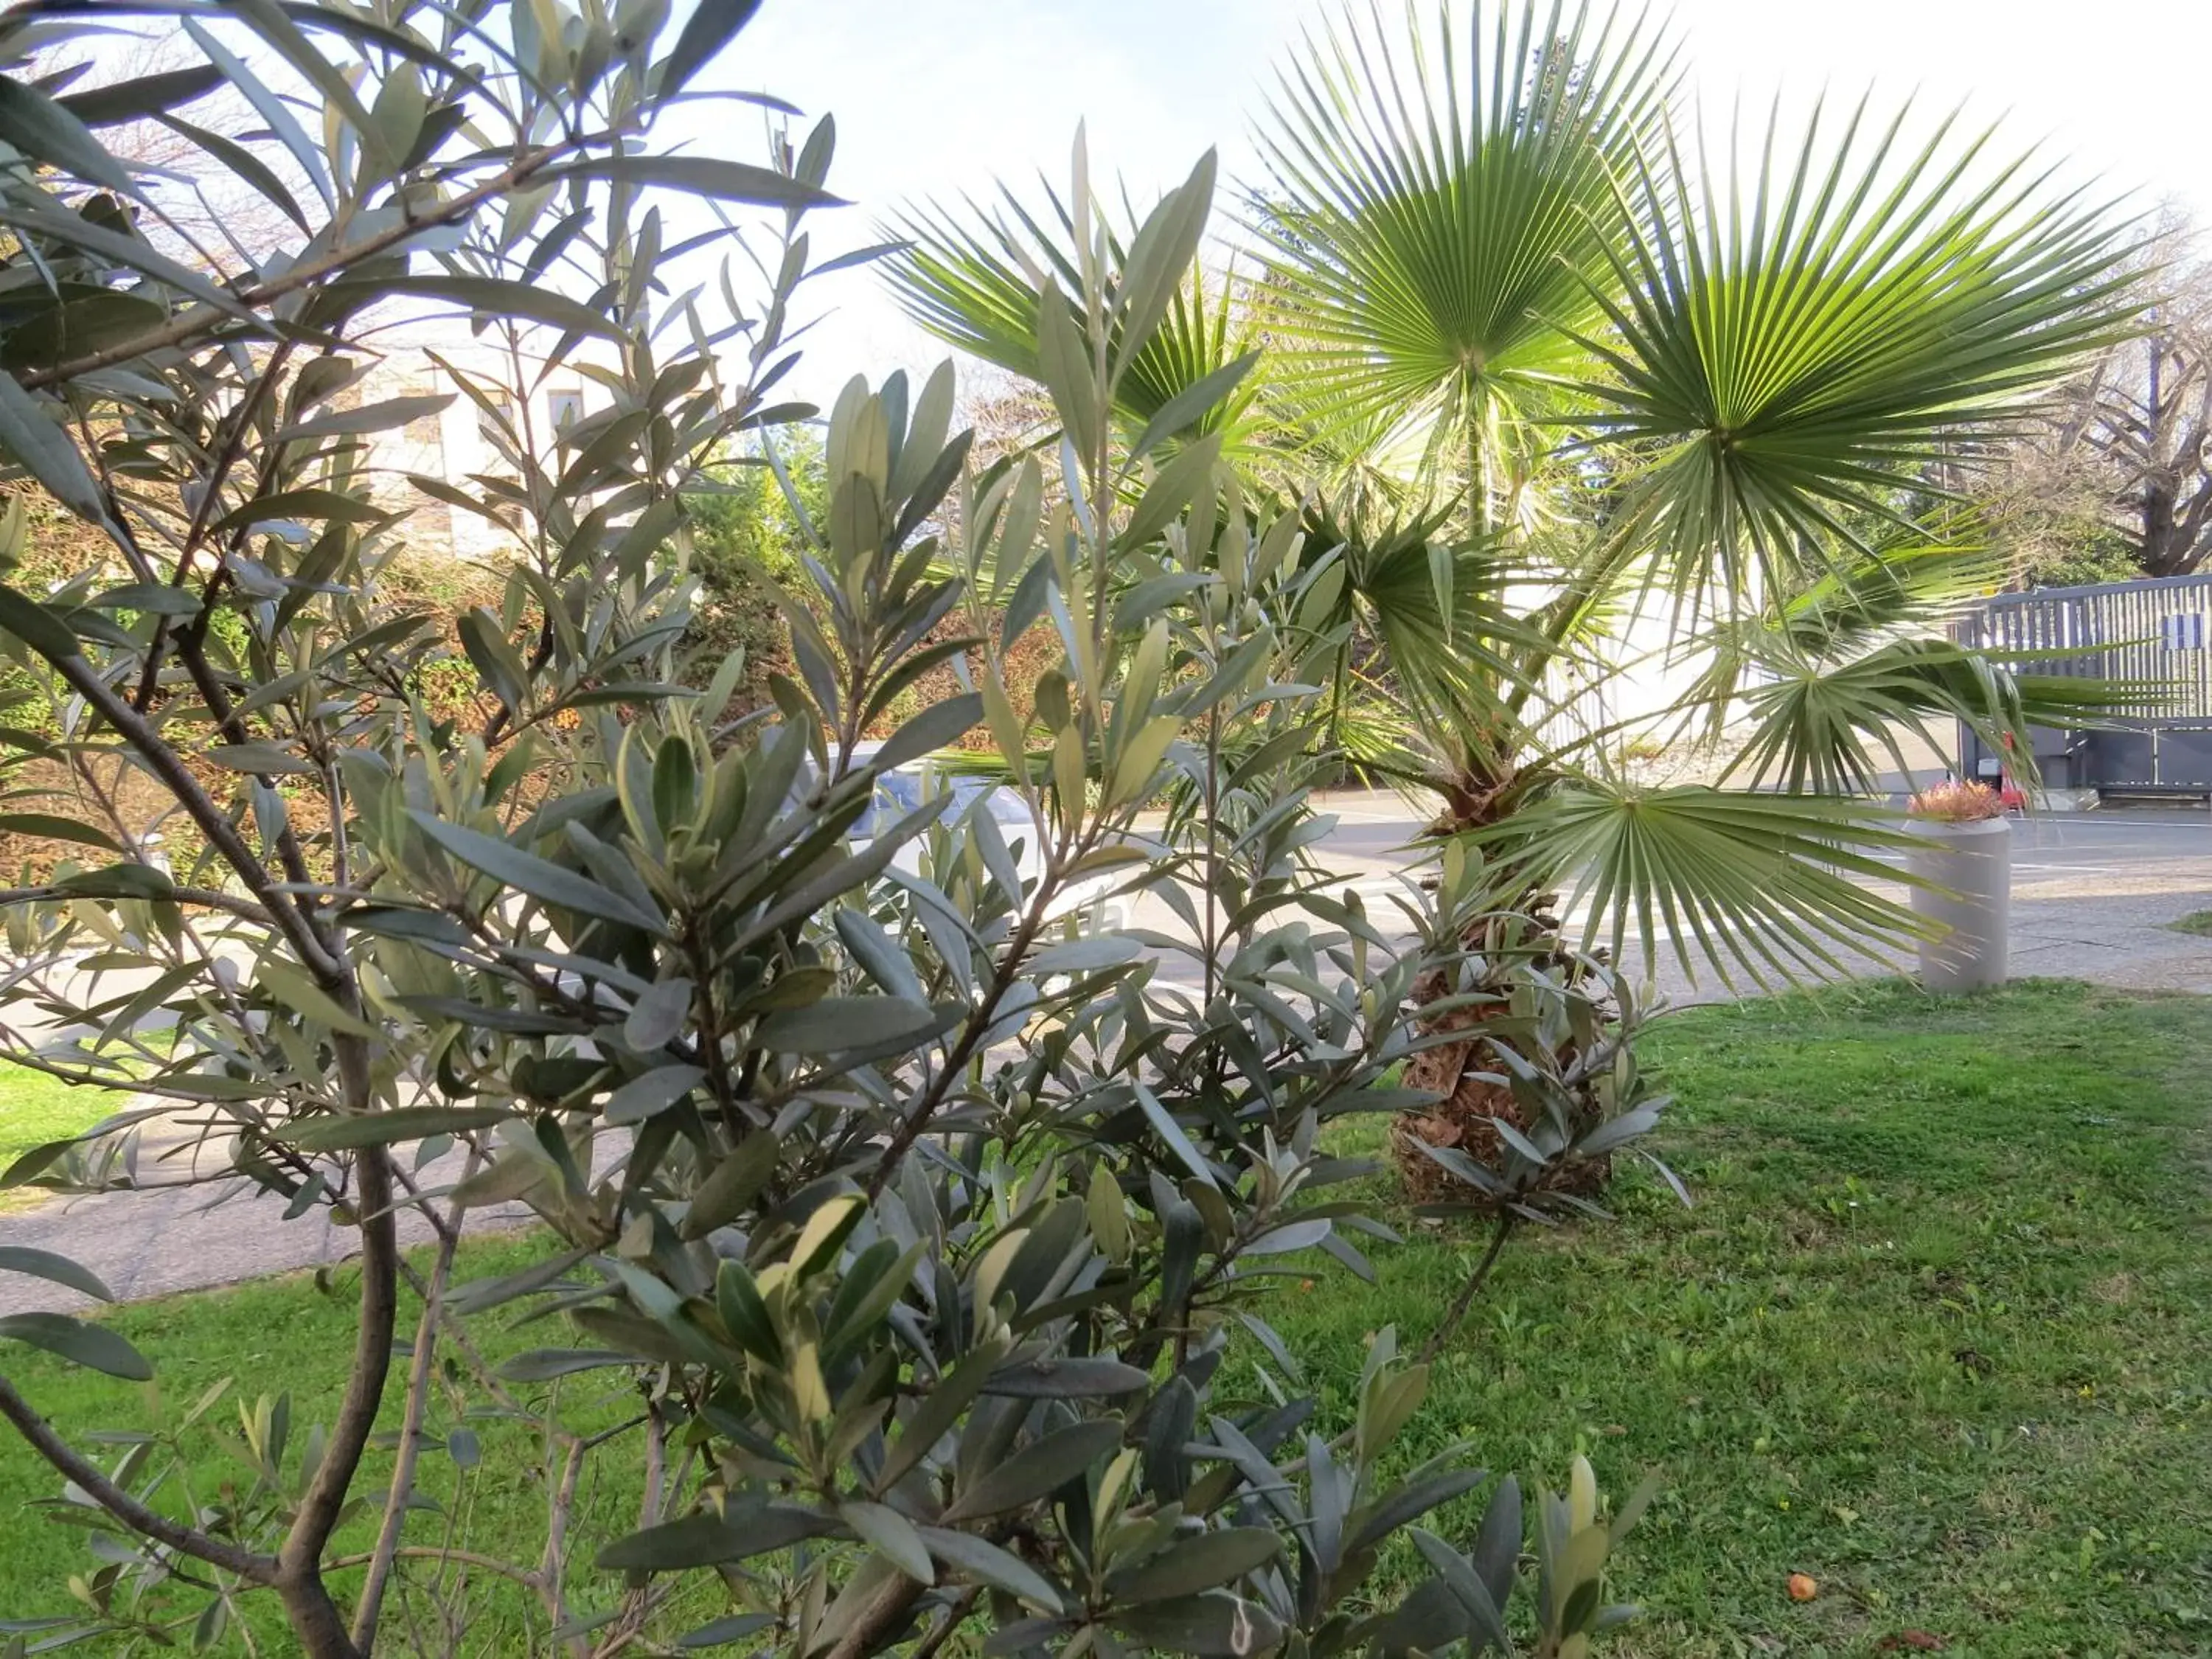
1907	581
1836	673
1441	638
973	279
1769	884
1440	203
1783	377
1906	586
1821	724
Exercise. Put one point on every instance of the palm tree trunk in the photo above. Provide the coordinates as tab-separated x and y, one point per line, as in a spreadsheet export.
1479	524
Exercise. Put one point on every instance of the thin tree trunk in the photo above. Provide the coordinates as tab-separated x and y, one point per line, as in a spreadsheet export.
370	1606
307	1601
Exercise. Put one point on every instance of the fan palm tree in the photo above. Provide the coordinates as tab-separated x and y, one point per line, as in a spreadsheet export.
974	280
1441	218
1538	357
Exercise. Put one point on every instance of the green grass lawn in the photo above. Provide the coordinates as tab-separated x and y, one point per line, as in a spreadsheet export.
293	1336
35	1109
1938	1334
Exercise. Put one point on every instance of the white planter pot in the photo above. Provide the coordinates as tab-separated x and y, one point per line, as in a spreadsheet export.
1967	900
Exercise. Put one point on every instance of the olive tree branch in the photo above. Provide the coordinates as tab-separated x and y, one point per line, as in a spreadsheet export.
212	821
370	1606
314	1615
910	1127
187	1541
190	639
204	319
208	897
1456	1313
234	445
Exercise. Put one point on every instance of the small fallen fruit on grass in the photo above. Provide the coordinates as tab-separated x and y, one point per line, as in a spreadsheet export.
1919	1641
1803	1587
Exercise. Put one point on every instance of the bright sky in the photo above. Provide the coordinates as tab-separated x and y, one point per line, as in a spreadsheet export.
940	97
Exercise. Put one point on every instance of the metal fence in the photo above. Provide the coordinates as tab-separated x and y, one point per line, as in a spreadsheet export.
2157	631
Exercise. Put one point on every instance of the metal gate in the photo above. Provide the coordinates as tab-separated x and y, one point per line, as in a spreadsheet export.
2152	632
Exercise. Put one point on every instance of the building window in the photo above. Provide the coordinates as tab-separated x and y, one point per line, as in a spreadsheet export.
564	409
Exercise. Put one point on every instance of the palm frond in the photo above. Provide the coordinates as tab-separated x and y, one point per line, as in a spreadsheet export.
1778	381
1592	592
973	278
1367	465
1763	885
1831	725
1905	586
1439	611
1439	202
1918	580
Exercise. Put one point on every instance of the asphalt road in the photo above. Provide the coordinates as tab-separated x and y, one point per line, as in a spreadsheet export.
2092	892
2113	841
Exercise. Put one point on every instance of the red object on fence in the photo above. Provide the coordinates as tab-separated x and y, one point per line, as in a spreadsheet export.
2008	792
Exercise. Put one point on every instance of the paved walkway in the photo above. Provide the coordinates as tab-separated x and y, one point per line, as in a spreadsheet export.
147	1244
2091	899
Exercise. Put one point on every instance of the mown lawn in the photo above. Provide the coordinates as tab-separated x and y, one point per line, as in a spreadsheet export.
291	1337
1938	1334
35	1109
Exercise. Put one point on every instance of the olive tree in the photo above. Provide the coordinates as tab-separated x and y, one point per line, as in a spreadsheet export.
898	1221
